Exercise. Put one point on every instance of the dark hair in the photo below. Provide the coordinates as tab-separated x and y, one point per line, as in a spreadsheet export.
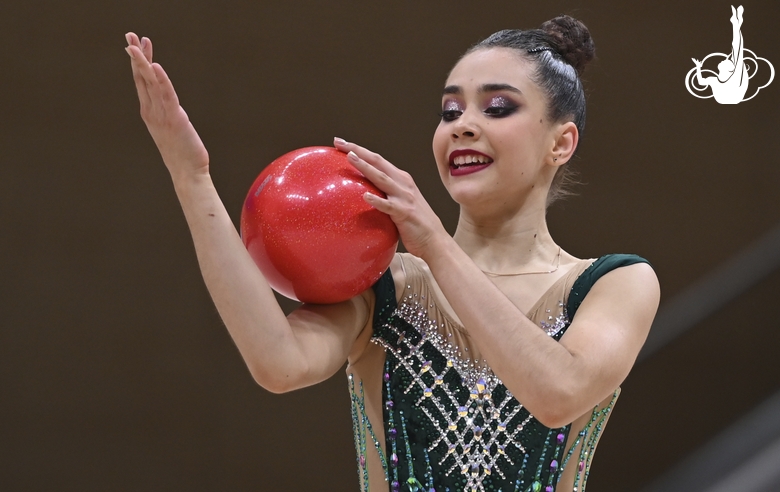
560	49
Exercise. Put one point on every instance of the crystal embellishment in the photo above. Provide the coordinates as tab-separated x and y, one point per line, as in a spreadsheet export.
469	428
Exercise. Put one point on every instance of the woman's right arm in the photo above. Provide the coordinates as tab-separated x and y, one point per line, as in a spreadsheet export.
282	353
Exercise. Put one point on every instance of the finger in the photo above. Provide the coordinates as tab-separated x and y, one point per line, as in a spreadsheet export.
146	47
339	143
132	39
379	178
141	84
366	155
379	203
164	88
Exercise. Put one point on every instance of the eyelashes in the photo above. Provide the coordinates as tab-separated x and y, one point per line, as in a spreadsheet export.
451	111
501	111
450	115
497	107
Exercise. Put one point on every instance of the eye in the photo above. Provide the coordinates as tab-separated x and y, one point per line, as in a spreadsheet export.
450	114
451	111
499	111
500	107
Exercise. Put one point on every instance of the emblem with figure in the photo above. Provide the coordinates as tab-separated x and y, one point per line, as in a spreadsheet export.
730	84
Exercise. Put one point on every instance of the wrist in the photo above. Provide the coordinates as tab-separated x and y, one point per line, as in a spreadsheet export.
189	185
442	249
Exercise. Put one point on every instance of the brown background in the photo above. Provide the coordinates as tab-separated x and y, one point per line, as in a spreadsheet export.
115	371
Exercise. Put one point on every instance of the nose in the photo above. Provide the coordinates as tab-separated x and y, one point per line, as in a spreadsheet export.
465	133
465	126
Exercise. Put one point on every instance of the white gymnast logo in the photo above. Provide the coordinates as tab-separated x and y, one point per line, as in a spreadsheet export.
730	84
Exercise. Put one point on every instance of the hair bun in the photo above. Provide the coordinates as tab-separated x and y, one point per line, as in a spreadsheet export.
571	39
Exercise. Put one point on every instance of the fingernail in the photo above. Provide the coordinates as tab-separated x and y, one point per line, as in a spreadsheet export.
128	38
339	141
352	156
144	42
127	48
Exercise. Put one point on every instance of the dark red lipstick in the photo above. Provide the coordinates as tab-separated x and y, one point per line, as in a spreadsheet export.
468	161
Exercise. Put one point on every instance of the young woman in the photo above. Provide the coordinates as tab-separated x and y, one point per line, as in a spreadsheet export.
488	360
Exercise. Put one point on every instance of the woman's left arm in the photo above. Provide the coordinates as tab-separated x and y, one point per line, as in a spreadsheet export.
556	381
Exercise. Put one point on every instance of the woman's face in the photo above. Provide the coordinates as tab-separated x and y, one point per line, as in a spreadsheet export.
494	137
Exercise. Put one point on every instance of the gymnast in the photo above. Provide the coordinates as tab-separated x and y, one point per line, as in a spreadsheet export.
486	360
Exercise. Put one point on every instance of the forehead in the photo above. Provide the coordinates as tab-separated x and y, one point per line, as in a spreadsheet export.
493	66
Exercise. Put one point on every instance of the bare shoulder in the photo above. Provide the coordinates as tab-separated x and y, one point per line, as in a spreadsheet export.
638	282
629	291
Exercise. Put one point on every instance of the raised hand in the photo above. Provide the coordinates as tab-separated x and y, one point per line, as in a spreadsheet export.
419	227
180	146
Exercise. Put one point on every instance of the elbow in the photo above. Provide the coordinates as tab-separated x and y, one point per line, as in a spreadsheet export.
277	381
275	387
553	418
557	408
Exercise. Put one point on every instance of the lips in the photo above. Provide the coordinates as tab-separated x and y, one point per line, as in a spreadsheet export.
466	161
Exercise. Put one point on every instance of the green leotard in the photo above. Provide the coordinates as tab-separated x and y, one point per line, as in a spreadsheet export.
445	422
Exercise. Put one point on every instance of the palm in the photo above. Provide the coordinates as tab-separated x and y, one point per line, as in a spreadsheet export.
177	139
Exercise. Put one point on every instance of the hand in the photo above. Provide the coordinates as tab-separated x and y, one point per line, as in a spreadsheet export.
697	62
418	225
180	146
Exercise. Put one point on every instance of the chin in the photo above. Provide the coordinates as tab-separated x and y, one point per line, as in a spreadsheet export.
467	195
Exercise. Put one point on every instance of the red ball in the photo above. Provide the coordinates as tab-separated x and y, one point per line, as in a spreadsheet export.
306	225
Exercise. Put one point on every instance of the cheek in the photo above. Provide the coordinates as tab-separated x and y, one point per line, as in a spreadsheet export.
520	138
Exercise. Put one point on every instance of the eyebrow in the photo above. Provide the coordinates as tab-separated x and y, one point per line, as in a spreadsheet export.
456	89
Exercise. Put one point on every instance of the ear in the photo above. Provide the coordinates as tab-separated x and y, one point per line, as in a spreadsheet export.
565	144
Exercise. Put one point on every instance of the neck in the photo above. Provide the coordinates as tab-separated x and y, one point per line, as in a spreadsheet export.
507	242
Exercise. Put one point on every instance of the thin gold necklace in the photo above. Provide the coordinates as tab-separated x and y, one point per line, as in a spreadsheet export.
557	264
